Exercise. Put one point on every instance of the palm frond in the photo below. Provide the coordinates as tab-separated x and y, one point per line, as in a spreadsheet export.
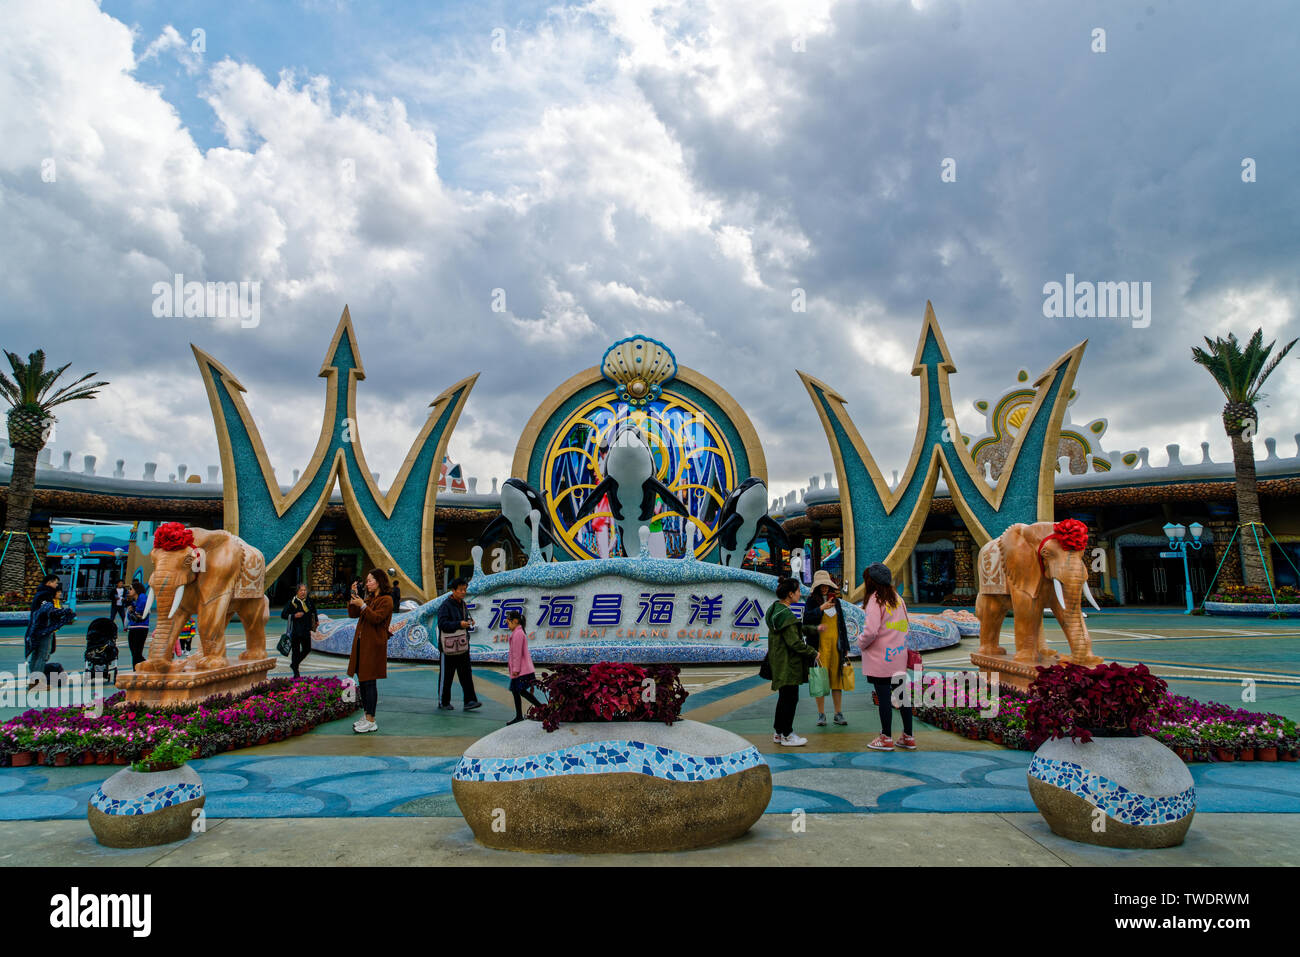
72	385
1268	370
88	392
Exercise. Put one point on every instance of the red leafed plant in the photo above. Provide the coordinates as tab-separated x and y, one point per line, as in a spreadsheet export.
172	536
610	691
1107	701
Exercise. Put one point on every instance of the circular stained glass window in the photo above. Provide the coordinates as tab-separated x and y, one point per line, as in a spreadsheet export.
691	457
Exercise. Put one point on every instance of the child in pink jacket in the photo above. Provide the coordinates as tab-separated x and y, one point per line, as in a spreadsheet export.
520	664
884	652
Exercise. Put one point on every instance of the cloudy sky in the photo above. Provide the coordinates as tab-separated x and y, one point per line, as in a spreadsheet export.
617	168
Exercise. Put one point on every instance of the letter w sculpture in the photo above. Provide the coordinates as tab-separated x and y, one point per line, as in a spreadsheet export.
883	525
396	529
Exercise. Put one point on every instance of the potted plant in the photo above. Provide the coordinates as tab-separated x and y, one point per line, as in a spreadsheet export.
1098	776
152	802
21	747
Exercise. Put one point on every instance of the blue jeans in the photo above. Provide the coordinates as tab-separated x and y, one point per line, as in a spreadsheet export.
40	654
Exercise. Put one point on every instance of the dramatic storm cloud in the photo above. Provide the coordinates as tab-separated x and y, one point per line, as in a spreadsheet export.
681	170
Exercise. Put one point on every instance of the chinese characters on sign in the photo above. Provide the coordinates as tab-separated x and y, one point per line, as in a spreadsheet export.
662	615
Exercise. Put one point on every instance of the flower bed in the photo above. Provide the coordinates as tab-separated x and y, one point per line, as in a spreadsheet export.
1247	595
269	711
1194	730
608	691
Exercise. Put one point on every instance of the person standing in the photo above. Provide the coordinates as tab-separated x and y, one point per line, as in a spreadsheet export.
825	630
454	624
46	621
44	592
137	623
369	658
397	590
520	665
119	599
884	652
789	657
300	613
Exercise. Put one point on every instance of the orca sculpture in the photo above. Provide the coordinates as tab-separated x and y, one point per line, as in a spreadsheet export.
630	473
518	499
743	521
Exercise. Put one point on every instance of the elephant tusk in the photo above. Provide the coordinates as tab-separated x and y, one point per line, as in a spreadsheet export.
1060	593
148	604
176	602
1087	593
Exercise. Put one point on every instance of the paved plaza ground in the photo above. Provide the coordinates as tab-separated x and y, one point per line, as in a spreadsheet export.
332	797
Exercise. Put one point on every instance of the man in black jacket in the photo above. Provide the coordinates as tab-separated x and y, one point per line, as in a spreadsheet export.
44	592
453	619
300	613
119	602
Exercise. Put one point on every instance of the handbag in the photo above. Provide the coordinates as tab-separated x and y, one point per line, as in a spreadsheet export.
455	643
765	669
819	682
285	645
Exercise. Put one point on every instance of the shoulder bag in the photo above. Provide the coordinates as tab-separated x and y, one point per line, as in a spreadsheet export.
455	642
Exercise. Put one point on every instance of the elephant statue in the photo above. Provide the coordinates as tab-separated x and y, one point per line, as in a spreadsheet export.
214	575
1029	568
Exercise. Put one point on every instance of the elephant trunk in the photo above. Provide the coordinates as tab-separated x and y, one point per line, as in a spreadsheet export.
1069	597
166	630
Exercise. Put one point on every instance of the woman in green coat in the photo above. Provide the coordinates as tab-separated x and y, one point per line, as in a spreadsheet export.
789	657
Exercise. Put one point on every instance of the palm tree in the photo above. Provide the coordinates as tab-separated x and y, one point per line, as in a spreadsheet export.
29	419
1240	373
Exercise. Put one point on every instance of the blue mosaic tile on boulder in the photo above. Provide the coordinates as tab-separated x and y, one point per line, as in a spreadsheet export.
1143	792
605	786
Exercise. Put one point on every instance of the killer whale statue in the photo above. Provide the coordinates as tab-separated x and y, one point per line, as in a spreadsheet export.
519	501
630	471
743	520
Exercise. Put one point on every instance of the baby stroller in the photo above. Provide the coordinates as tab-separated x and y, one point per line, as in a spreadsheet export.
101	650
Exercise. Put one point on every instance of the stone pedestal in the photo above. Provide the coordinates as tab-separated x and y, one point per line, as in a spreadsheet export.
606	787
184	687
1016	674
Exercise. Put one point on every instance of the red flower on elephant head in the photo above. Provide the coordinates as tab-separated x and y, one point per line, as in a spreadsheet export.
172	536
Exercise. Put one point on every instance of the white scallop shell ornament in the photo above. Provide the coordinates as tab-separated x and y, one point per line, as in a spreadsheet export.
639	368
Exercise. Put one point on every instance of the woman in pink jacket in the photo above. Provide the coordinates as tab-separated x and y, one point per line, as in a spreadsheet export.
520	663
884	652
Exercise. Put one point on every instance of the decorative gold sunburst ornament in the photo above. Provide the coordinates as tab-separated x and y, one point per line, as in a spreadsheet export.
639	367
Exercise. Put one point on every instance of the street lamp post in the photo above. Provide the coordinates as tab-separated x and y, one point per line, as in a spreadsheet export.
1179	543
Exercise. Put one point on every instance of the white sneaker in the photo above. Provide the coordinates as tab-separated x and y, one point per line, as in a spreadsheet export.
777	737
365	727
794	741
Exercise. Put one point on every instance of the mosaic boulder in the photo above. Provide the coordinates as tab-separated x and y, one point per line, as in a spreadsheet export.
930	632
611	787
135	809
1115	792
